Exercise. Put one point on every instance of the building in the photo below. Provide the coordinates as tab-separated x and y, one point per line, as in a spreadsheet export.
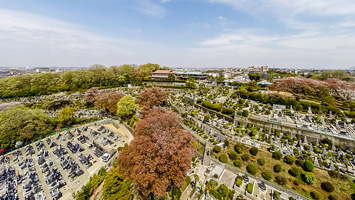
185	75
162	74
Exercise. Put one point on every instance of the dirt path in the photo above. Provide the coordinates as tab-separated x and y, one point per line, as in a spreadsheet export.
99	191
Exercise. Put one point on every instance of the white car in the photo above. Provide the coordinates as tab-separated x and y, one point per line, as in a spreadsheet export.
106	157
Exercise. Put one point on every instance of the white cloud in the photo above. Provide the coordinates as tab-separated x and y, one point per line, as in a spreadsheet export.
151	8
30	39
295	50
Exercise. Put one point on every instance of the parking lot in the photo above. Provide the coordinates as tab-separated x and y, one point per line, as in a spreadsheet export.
57	166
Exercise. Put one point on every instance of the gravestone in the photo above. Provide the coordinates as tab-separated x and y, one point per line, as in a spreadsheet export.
315	162
331	165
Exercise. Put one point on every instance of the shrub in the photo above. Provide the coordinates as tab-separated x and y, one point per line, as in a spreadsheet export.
252	169
296	182
223	191
295	171
299	162
250	188
215	176
223	158
245	157
308	177
334	174
239	181
254	151
239	147
316	195
308	166
212	185
291	198
277	155
277	168
237	163
332	197
280	180
187	181
289	159
267	175
226	142
261	161
217	149
327	186
233	155
276	195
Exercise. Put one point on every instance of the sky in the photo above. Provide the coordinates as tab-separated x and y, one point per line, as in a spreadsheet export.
317	34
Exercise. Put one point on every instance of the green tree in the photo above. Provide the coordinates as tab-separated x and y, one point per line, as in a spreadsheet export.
19	123
126	106
65	116
116	186
245	113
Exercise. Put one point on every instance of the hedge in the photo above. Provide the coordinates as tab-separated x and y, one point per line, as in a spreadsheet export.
250	188
223	158
252	169
277	195
239	181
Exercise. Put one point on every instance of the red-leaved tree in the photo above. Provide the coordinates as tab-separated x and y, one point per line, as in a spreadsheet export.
160	154
151	97
108	101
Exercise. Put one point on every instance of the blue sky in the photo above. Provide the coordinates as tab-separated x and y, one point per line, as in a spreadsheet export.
178	33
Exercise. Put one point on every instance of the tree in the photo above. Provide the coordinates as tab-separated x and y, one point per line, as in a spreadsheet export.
267	175
261	161
151	97
65	116
239	147
116	187
126	106
245	113
327	186
19	123
89	96
165	157
252	169
289	159
108	101
308	166
277	155
255	77
308	177
277	168
223	158
254	151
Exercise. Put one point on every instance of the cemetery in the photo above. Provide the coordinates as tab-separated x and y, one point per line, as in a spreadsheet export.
59	165
284	137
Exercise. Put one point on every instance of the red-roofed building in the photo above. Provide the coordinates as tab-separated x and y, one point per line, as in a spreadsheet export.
162	74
